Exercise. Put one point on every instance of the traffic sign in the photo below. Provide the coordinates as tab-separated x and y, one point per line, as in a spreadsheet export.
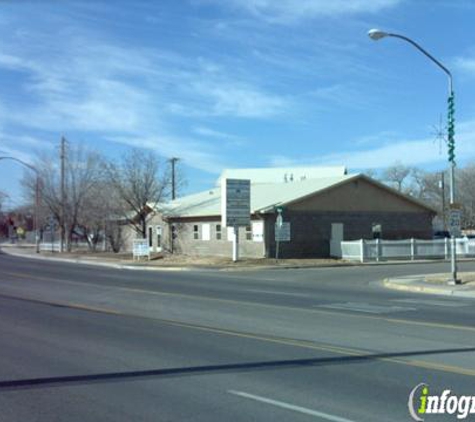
455	221
282	233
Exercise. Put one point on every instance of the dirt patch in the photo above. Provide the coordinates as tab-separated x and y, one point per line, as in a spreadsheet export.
167	260
200	261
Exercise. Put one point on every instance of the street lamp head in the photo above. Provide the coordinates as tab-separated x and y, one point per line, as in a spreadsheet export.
377	34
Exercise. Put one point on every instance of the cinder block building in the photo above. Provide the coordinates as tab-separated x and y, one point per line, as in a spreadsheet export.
322	205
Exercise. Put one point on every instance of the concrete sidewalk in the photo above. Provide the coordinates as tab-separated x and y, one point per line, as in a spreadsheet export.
184	263
419	284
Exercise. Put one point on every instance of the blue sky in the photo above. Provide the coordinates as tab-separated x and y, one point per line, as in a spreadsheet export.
235	83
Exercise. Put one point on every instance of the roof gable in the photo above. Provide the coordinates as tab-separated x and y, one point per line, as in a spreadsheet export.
371	196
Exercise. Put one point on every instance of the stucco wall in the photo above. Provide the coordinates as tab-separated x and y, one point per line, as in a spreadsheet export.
185	242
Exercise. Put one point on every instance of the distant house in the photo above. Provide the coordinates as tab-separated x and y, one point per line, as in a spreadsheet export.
321	205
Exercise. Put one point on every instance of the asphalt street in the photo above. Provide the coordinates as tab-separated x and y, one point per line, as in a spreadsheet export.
84	343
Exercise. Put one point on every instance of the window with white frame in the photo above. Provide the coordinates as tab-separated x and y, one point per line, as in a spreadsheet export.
218	232
159	236
248	233
196	232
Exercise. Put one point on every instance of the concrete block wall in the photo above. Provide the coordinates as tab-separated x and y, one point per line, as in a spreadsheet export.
311	231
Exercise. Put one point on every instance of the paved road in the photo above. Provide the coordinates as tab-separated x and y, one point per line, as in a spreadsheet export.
81	343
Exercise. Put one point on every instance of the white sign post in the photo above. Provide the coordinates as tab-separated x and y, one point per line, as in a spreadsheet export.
282	231
235	208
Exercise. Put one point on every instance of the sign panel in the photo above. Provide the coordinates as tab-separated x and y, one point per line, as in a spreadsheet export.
282	233
455	221
235	202
140	248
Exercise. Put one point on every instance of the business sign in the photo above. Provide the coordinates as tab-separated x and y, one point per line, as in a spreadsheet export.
235	202
141	248
282	233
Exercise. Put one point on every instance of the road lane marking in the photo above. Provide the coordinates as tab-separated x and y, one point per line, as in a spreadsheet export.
289	406
434	302
312	345
272	292
366	307
264	305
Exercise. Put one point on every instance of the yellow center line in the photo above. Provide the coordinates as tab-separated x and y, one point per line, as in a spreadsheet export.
340	350
262	305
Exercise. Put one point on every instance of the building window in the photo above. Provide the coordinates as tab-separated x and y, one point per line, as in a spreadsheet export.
159	236
174	233
196	232
150	237
248	233
218	231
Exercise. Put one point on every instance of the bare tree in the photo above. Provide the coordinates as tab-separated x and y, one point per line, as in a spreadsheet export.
396	175
466	195
83	172
3	198
371	173
141	180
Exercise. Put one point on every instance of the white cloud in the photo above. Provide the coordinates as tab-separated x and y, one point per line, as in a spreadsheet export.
124	93
230	99
466	64
231	140
421	152
293	10
192	153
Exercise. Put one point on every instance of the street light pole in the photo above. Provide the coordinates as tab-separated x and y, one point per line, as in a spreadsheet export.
377	34
37	198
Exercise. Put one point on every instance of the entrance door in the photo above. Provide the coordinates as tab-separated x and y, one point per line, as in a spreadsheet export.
336	239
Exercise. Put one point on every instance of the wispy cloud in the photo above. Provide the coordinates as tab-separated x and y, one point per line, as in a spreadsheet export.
228	99
284	11
92	84
466	64
193	152
414	152
231	140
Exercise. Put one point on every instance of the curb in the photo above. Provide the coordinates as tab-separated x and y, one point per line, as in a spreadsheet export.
94	263
129	266
415	285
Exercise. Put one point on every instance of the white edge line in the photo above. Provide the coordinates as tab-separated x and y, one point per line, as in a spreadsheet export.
288	406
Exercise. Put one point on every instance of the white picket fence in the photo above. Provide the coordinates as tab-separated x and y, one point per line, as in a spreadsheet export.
377	250
55	246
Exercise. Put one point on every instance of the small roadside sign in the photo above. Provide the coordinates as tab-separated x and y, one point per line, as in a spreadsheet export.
455	221
282	233
141	248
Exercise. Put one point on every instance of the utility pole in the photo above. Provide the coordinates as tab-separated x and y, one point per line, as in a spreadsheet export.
63	195
455	211
442	185
173	161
